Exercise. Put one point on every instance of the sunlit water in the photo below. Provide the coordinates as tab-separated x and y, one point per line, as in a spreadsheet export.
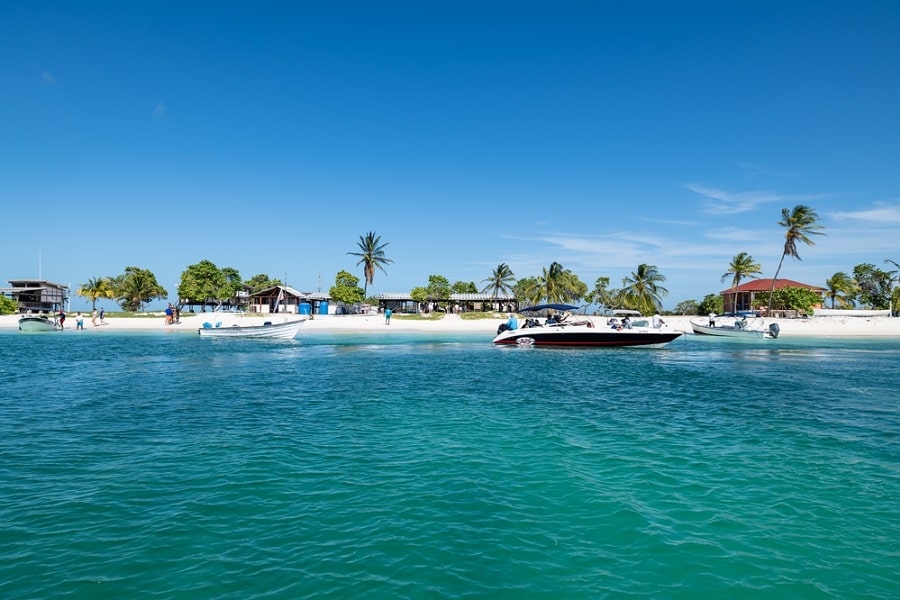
371	466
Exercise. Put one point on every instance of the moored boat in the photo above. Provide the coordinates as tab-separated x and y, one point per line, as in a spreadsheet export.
579	331
741	328
282	331
36	324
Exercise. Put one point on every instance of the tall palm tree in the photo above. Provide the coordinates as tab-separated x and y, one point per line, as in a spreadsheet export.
96	288
840	287
552	282
801	222
501	281
742	265
892	274
641	291
371	256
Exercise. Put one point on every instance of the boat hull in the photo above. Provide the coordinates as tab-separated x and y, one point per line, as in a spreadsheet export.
36	325
276	331
585	337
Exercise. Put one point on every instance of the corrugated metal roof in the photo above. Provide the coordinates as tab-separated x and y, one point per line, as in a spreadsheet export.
453	297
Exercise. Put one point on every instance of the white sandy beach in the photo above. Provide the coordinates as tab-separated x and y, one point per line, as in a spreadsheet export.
831	326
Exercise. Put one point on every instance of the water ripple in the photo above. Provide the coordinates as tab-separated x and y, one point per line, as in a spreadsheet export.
161	466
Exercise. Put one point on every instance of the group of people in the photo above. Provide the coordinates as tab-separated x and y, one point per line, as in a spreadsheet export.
173	314
79	319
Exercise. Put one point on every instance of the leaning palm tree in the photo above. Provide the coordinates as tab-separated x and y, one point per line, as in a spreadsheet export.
96	288
742	265
371	256
501	281
641	291
840	288
801	222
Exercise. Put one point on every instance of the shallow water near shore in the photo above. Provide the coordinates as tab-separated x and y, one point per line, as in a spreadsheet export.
363	465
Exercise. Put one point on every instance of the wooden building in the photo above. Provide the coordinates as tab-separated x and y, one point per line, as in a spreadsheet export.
37	296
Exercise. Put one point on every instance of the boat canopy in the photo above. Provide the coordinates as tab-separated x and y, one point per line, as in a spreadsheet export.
548	306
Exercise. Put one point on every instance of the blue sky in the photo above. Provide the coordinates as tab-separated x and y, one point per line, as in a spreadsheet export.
269	137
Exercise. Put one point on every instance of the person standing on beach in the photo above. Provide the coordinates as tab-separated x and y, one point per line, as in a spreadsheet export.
79	321
102	312
94	317
387	316
61	319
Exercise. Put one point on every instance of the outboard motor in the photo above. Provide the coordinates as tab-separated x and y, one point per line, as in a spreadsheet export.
503	327
774	330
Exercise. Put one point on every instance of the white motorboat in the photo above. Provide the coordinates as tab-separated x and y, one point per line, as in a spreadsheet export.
281	331
37	323
754	329
579	331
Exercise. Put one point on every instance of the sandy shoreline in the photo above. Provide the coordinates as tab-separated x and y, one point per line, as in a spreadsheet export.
812	327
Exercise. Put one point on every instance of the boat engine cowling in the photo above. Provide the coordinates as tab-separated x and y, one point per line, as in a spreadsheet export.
774	330
503	327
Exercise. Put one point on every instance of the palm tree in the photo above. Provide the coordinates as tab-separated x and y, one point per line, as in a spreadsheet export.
641	291
801	222
742	265
96	288
552	283
500	281
371	256
892	274
840	287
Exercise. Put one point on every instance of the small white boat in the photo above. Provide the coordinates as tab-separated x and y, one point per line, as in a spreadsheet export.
738	329
35	323
279	331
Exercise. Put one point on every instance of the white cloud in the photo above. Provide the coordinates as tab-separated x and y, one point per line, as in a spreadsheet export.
722	202
881	213
726	203
733	234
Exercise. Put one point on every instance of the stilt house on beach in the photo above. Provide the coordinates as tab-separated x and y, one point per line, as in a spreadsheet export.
37	296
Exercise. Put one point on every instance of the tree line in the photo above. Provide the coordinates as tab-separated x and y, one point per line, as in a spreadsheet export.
207	284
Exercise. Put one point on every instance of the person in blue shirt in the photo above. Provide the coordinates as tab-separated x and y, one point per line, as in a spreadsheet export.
387	316
512	323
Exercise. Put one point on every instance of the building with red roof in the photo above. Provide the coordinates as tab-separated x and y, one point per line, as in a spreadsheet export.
743	297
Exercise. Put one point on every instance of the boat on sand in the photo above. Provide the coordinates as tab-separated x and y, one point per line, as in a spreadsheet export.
37	323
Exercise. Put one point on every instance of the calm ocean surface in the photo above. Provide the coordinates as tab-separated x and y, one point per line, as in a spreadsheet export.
152	465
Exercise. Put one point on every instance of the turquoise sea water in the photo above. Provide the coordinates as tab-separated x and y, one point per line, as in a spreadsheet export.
365	466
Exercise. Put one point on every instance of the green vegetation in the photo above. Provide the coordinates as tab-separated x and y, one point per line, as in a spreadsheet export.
346	289
874	286
841	290
206	284
8	306
136	287
642	290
